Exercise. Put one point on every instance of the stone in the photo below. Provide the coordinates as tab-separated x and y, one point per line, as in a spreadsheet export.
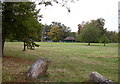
39	68
96	77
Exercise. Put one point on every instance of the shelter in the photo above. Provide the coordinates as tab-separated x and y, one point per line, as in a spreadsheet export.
69	39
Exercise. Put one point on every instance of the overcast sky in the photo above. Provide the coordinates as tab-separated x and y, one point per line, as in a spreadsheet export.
83	10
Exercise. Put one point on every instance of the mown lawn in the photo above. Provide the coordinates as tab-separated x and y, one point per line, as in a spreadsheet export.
71	62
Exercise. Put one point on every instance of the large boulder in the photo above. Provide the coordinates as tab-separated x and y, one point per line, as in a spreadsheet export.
96	77
39	68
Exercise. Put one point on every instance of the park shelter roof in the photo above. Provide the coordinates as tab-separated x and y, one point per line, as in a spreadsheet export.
69	38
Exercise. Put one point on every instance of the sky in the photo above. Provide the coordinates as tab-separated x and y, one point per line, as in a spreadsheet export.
82	10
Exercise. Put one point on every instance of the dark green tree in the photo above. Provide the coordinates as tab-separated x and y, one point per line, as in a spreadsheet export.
20	21
112	36
91	31
72	34
14	15
90	34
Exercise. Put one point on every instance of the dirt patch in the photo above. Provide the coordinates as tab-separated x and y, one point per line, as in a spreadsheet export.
15	68
16	59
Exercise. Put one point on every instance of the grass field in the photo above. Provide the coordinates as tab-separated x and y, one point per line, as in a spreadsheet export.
71	62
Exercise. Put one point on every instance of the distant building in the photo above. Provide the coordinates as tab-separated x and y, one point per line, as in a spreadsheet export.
69	39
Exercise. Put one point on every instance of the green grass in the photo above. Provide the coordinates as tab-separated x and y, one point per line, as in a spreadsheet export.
71	62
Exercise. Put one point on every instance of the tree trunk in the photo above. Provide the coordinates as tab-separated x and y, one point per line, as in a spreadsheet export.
24	46
5	29
1	48
104	44
38	68
3	43
96	77
88	43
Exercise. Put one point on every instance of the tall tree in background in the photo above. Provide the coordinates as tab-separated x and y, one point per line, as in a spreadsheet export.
92	31
66	30
20	21
56	33
90	34
47	28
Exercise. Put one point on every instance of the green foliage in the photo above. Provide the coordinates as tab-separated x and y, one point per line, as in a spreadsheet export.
20	21
91	31
104	40
112	36
30	44
50	29
66	30
72	34
56	33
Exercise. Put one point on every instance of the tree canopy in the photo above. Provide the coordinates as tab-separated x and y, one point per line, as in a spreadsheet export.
56	33
20	21
92	31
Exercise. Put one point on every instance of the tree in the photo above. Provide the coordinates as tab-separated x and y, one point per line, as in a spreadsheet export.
91	31
90	34
14	15
99	23
72	34
104	40
66	30
56	33
47	28
20	21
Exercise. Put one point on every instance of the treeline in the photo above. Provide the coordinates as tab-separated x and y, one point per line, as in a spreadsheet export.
88	32
56	32
94	32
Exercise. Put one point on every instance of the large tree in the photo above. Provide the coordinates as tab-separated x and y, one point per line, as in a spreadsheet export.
92	31
20	21
56	33
90	34
14	15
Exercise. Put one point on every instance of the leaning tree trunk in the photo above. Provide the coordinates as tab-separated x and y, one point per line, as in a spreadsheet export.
96	77
38	68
